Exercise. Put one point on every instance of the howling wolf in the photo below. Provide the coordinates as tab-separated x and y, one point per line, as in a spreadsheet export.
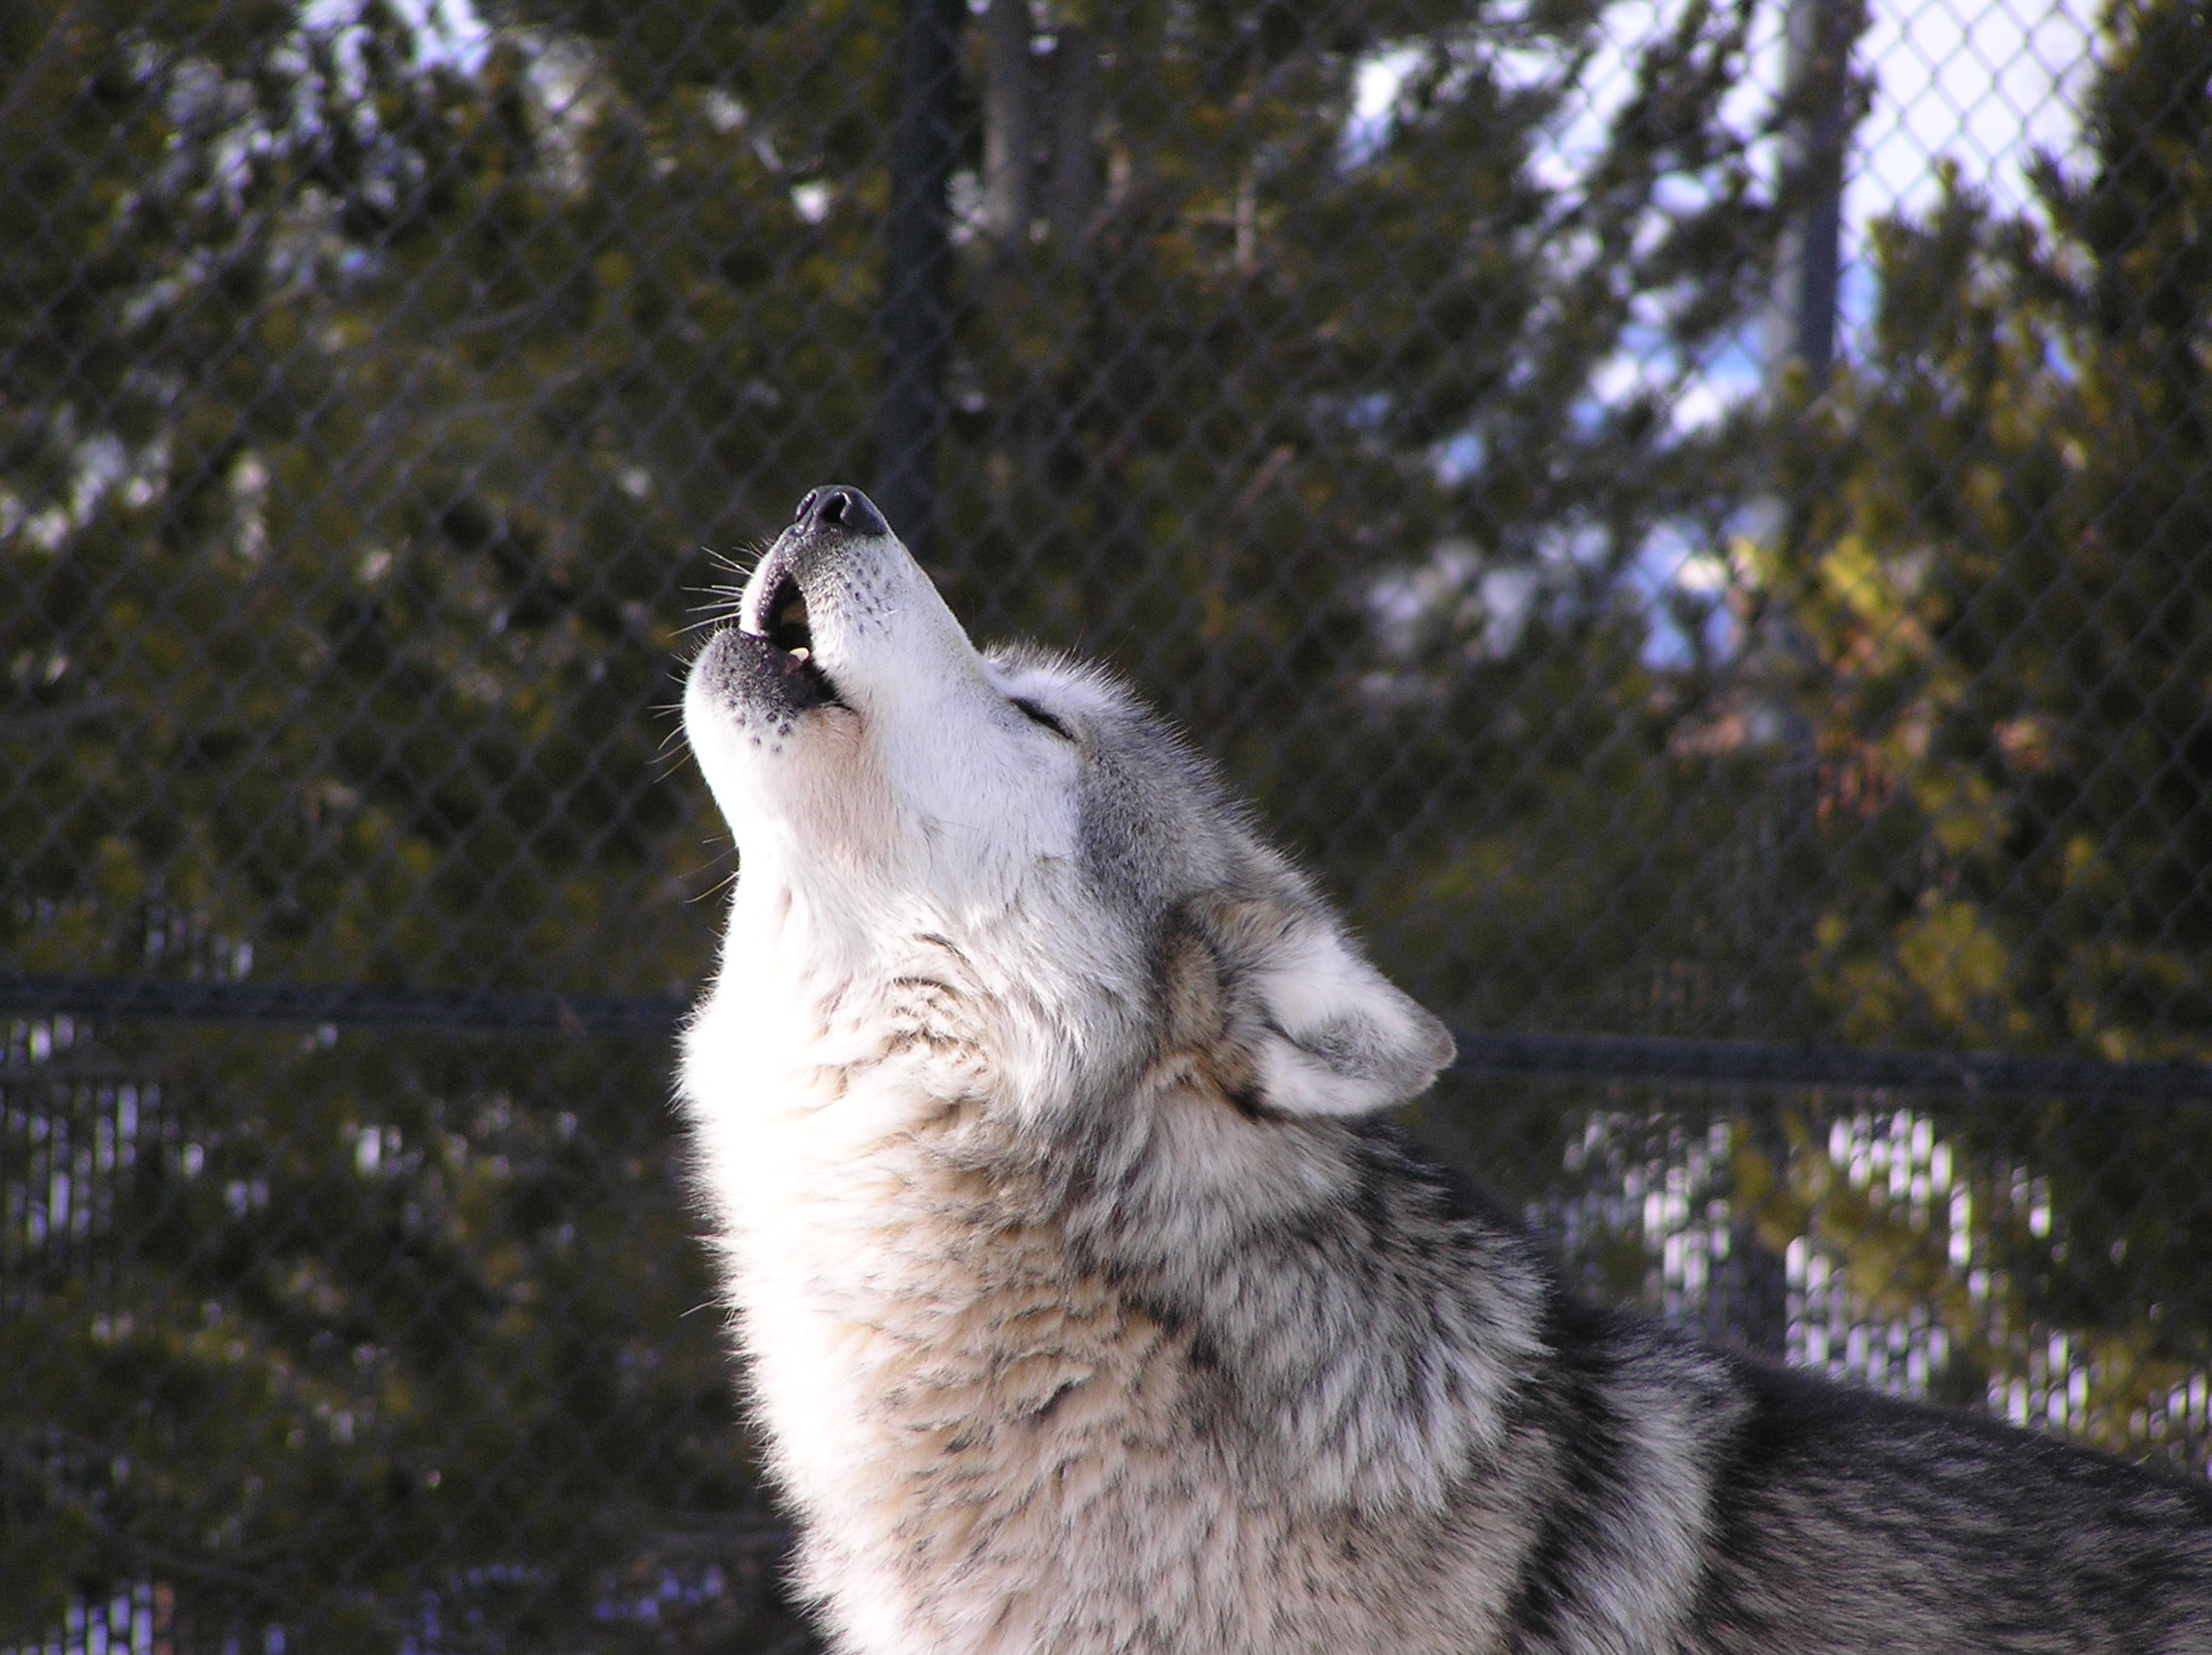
1091	1310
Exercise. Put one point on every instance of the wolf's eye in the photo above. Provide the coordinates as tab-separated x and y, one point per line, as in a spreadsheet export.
1037	715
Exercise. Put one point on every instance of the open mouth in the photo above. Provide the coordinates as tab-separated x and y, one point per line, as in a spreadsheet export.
782	621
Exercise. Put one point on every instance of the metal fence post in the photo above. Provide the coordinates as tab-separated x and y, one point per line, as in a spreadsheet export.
1753	1310
917	258
1815	77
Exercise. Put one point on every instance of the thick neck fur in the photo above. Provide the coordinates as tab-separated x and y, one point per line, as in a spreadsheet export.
994	1296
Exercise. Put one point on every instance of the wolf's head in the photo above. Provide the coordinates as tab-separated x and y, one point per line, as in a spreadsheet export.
1061	876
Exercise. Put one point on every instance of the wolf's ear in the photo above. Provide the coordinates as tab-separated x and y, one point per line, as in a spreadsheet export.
1324	1031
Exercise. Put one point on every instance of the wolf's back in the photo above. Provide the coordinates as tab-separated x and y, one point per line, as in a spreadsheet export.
1852	1522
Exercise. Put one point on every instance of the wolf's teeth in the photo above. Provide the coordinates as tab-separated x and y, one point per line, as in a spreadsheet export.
800	655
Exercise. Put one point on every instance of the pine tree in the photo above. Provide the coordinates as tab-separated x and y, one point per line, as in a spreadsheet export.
1355	444
371	400
2005	591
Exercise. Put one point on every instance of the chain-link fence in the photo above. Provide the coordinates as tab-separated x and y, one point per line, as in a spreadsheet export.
1695	517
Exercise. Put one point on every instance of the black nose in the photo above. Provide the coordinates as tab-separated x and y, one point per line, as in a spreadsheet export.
848	510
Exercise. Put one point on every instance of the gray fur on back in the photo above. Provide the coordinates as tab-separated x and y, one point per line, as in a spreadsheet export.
1089	1306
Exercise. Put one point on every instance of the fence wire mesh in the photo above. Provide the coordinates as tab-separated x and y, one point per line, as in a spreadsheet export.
1695	516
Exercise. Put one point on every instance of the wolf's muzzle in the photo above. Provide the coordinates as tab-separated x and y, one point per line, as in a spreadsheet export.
768	659
775	606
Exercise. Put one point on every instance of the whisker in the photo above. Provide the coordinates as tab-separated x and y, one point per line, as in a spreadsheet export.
742	561
719	887
717	592
704	621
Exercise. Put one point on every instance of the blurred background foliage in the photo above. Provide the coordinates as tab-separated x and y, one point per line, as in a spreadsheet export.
386	387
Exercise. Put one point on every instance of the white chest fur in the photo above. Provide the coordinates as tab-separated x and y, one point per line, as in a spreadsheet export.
994	1446
959	1411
